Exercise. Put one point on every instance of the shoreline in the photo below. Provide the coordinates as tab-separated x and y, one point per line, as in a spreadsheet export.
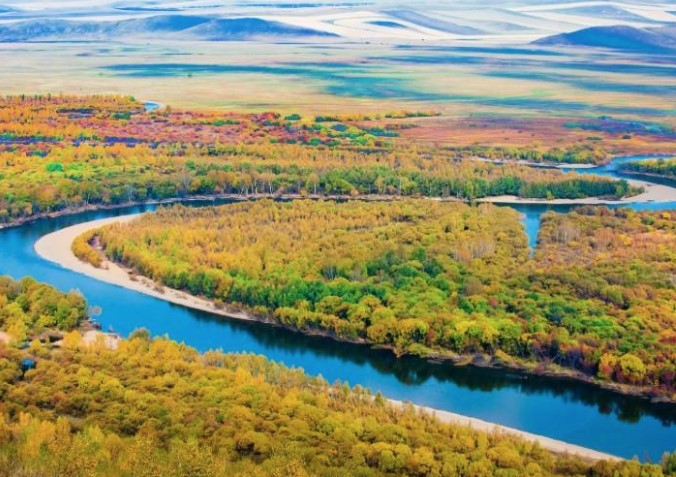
647	175
552	445
656	193
70	211
653	193
56	247
540	165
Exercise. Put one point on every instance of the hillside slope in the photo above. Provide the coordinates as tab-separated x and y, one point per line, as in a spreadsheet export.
174	26
620	37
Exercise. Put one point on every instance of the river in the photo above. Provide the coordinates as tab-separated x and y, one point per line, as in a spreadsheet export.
570	411
531	213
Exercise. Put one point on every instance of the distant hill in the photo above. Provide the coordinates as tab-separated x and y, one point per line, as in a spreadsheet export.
177	26
433	23
620	37
243	28
606	11
162	23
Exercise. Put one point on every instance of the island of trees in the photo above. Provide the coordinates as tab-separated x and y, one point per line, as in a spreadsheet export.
658	168
153	407
436	279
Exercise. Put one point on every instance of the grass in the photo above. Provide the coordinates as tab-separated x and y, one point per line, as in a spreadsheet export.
337	78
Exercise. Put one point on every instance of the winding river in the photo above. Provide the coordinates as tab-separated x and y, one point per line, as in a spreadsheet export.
532	213
570	411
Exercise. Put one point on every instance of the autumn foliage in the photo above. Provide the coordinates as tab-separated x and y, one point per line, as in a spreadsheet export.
153	407
659	168
432	278
62	153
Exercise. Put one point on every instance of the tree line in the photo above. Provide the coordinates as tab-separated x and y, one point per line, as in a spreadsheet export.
659	167
59	153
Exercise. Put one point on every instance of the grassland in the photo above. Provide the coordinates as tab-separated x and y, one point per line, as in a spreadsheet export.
339	77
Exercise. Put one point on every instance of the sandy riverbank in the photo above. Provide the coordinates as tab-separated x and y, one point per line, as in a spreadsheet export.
553	445
56	247
89	338
109	340
655	193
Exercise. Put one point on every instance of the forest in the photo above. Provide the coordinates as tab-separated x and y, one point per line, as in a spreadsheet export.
153	407
658	167
63	153
28	307
435	279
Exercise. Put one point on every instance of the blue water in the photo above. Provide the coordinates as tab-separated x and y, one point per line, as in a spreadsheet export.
611	169
566	410
532	213
152	106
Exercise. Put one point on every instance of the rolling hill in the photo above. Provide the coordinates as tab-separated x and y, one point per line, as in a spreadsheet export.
244	28
622	38
177	26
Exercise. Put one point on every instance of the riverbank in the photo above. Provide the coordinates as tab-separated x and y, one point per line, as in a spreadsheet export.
553	445
647	175
56	247
210	198
541	165
653	193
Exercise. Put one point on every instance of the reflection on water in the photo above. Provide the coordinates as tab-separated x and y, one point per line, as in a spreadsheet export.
411	371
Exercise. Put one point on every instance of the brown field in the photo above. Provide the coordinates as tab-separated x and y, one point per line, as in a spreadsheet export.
506	132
